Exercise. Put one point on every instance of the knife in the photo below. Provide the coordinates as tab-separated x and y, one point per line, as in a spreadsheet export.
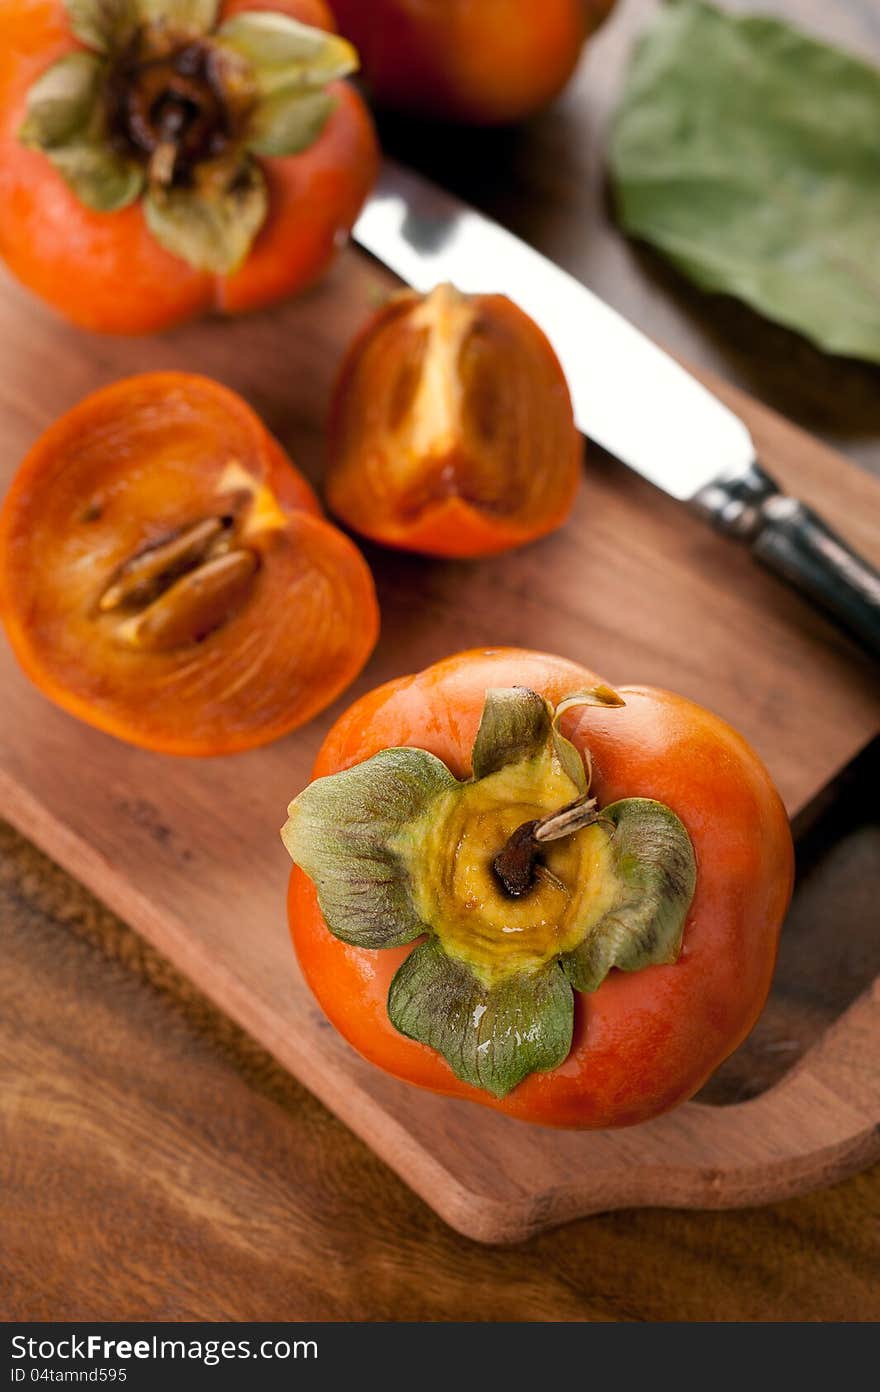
629	396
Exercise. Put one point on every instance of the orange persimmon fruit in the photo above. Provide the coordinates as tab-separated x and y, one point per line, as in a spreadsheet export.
206	157
166	574
451	429
565	900
481	61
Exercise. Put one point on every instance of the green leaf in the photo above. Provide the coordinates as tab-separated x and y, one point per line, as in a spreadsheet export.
65	121
748	153
62	102
290	64
212	228
342	831
188	16
600	695
515	725
577	763
98	176
491	1037
289	123
102	24
286	55
656	877
106	25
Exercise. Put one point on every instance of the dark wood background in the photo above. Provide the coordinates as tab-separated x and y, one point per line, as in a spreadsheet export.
156	1164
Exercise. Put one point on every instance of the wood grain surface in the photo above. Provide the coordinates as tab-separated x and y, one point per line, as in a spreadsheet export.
78	1134
158	1165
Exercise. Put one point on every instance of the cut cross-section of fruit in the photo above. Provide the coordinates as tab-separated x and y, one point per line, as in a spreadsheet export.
167	575
451	429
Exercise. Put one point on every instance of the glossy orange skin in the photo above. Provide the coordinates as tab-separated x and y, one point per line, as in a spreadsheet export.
487	62
104	271
500	468
151	449
645	1041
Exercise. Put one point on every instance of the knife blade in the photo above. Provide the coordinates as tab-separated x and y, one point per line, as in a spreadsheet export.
629	395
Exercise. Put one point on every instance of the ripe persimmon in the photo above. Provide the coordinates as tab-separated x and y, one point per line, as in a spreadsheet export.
160	160
451	429
515	885
481	61
167	575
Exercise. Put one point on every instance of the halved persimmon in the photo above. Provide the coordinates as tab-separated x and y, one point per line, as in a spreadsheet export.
167	576
451	429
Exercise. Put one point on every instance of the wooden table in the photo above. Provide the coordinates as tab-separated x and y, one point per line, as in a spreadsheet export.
157	1165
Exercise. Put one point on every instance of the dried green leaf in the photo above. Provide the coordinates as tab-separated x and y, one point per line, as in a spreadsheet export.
577	763
102	24
491	1036
106	25
656	876
289	123
65	121
62	103
187	16
342	830
600	695
515	725
747	152
100	178
211	225
285	55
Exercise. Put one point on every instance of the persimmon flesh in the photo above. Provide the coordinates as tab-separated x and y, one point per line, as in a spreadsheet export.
451	429
167	576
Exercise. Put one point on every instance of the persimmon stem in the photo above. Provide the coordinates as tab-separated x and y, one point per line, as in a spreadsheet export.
162	163
517	862
577	815
169	108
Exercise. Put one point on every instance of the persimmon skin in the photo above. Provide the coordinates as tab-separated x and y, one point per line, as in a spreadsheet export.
105	271
409	477
644	1041
486	62
167	702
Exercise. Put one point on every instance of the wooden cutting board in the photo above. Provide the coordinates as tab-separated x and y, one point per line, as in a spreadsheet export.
188	851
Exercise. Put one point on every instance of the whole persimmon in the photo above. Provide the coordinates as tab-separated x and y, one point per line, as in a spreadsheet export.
487	62
451	429
515	885
167	576
159	159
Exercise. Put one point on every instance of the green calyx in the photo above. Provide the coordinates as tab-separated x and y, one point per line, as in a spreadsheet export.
168	107
520	886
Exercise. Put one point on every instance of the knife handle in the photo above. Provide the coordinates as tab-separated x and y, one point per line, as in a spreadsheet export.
792	540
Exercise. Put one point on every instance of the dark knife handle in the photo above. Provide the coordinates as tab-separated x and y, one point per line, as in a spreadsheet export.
793	540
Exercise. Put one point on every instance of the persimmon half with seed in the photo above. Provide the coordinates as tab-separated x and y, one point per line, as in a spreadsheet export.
451	429
167	575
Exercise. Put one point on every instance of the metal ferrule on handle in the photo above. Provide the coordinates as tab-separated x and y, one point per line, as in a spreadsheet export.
792	540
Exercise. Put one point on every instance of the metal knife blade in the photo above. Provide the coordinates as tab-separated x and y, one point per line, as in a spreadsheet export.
628	394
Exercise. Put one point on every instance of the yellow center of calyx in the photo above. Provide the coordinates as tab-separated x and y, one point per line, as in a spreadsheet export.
459	894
